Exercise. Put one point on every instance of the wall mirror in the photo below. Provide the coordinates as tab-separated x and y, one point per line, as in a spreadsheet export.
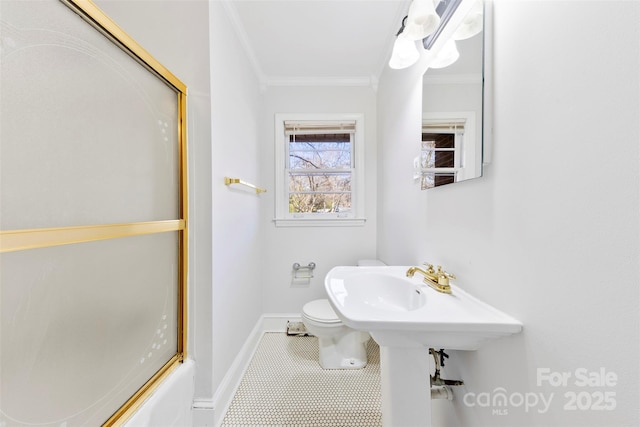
451	147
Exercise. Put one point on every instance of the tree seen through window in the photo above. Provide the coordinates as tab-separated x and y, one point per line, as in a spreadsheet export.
320	170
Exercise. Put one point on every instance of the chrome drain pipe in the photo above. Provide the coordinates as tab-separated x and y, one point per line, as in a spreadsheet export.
441	392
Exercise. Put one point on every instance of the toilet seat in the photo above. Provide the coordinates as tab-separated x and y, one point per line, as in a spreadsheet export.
320	311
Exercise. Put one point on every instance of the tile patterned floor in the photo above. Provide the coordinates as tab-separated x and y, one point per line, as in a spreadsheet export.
285	386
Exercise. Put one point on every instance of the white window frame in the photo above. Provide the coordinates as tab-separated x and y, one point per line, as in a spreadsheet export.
465	151
283	218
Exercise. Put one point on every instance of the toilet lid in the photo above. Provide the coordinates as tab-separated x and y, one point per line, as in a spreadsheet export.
320	311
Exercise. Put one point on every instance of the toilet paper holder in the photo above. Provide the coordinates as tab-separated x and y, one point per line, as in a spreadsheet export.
303	271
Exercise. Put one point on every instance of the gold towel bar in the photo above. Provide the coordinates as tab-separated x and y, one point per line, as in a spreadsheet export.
229	181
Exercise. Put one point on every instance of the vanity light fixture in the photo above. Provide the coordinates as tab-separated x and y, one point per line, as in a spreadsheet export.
446	56
405	53
422	19
446	9
419	24
472	23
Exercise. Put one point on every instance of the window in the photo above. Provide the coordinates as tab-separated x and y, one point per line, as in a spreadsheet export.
319	169
442	155
439	157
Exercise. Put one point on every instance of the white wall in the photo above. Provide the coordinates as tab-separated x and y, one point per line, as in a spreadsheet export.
237	132
551	233
326	246
401	204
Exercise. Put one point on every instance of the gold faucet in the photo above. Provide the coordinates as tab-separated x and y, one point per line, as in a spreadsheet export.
437	279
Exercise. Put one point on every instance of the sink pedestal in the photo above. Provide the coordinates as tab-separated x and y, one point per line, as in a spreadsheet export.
406	387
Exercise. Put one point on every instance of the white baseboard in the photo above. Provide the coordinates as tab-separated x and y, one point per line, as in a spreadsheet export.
211	412
277	322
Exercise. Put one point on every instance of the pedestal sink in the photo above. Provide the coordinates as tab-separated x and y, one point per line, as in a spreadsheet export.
406	318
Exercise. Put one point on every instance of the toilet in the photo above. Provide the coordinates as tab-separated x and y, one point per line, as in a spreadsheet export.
340	347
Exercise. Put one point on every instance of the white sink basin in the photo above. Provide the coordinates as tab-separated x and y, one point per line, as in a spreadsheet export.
363	296
399	311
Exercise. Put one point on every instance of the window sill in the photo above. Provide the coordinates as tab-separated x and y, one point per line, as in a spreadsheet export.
314	222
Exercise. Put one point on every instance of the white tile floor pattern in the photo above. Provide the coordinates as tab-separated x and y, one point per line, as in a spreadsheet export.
285	386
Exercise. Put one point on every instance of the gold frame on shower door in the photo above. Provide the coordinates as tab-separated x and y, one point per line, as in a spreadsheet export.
18	240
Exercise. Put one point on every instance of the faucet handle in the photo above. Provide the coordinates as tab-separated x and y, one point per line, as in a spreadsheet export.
429	267
448	275
441	272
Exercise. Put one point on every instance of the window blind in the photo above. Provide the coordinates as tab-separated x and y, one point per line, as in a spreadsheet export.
318	127
454	126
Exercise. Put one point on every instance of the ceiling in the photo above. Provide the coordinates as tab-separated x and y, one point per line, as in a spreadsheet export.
323	41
